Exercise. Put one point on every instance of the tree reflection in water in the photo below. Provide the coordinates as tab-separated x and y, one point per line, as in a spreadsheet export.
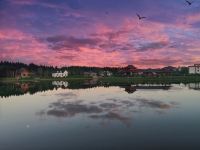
21	88
106	110
16	89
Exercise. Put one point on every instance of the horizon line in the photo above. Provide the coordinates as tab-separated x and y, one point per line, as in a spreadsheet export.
163	66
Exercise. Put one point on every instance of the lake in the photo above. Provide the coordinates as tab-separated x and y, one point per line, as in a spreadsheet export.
74	116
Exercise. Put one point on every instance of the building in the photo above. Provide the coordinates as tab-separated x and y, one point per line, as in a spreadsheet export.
129	70
168	70
105	74
90	74
194	69
60	74
23	73
109	74
149	72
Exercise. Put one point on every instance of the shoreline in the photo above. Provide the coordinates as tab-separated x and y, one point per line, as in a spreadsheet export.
114	79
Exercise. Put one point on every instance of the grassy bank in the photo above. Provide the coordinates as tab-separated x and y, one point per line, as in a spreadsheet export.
151	80
8	80
116	80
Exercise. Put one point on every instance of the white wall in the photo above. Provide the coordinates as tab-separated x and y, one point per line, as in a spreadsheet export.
60	74
194	70
198	70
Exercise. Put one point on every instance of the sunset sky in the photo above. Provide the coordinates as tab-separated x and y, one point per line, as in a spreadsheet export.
100	32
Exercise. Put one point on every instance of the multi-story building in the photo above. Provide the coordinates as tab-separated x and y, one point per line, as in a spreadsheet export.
194	69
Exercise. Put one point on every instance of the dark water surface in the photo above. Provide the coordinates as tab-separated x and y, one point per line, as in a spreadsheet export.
138	117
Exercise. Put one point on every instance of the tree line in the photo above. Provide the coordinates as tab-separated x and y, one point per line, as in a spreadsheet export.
10	69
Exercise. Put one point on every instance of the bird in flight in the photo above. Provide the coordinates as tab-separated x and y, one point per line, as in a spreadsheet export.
140	17
189	3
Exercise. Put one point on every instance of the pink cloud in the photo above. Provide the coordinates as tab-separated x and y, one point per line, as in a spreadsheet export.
141	43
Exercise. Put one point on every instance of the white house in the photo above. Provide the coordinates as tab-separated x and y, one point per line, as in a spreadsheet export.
60	74
106	73
194	69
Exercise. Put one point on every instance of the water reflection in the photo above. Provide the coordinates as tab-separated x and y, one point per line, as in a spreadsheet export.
66	106
80	113
16	89
62	84
112	116
194	86
130	89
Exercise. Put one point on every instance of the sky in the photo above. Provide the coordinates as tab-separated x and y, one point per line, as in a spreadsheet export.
100	32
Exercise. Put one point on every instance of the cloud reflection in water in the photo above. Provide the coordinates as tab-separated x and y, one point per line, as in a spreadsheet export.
112	109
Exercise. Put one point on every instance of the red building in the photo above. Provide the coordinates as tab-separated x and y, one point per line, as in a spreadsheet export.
130	70
23	73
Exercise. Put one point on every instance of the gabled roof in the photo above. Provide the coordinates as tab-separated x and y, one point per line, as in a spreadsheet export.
23	70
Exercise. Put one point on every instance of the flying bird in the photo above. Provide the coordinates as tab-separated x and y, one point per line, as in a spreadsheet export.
140	17
189	3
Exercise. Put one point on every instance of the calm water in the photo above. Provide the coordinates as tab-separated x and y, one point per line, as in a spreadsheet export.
99	118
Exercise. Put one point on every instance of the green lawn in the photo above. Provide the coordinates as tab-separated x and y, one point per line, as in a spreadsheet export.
116	80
